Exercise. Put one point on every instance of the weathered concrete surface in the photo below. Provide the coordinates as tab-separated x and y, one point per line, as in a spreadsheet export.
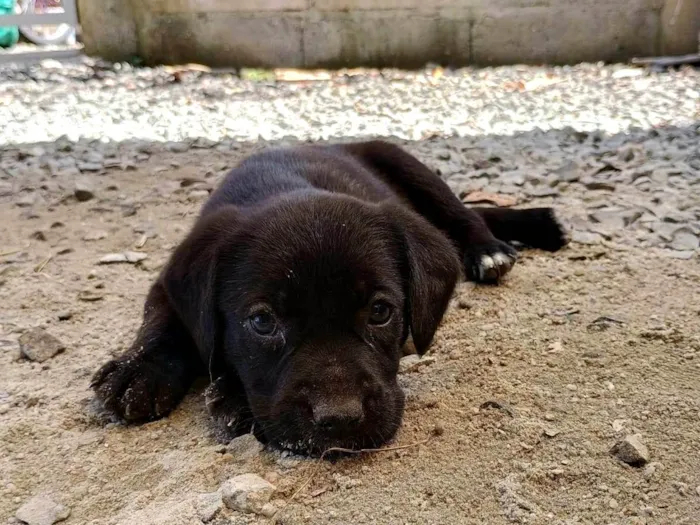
222	39
224	6
609	31
109	28
343	39
680	24
402	33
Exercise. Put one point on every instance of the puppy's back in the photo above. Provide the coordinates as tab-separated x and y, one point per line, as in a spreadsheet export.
276	172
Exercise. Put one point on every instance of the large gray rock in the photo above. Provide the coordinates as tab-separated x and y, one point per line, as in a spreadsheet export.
247	493
41	510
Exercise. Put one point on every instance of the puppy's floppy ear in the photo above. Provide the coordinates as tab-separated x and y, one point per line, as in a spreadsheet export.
190	277
431	271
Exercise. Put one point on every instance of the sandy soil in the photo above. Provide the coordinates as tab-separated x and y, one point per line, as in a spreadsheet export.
568	386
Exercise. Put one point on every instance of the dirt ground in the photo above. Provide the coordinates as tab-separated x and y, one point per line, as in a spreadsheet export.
529	391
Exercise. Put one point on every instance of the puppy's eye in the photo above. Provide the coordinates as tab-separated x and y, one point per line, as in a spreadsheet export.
263	323
380	313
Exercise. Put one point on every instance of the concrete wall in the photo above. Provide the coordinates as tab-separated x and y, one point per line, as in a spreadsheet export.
402	33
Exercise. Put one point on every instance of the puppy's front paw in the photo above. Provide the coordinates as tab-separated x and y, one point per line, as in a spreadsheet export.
228	411
488	263
135	390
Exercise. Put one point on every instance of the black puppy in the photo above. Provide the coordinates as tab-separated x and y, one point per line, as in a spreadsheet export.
303	277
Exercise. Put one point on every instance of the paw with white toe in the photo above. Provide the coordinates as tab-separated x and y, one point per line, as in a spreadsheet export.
488	263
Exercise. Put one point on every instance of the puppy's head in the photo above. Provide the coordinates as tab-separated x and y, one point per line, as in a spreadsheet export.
308	304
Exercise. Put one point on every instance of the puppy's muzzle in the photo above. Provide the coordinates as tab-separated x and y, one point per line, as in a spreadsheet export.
338	416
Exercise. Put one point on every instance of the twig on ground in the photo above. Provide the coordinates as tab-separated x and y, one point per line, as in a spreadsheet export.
668	61
41	265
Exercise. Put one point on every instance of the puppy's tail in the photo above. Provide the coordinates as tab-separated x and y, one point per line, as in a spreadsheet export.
534	227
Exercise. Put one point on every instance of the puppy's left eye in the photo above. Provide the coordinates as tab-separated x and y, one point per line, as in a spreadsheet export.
380	313
263	323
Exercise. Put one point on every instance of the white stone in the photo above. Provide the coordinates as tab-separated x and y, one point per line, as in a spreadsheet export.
413	362
247	493
42	510
126	257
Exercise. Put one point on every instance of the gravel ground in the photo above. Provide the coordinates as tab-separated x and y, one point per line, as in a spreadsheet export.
94	100
538	393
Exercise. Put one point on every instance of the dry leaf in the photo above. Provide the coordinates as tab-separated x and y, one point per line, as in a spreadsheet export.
492	198
539	83
532	85
514	86
300	75
187	67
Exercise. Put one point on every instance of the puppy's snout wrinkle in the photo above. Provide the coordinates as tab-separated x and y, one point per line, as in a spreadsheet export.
338	415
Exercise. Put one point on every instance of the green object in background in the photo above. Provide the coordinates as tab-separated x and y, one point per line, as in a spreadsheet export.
9	35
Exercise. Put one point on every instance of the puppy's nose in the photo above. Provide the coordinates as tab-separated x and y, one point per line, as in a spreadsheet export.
338	415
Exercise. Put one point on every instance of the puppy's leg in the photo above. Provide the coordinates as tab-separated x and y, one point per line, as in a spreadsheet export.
228	408
534	227
486	258
151	378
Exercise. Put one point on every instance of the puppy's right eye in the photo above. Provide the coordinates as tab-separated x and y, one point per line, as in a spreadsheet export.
380	313
263	323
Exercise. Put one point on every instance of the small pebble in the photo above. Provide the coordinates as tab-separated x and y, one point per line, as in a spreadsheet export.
245	447
463	304
38	345
556	346
268	510
125	257
650	470
208	506
83	190
95	235
684	240
90	166
177	147
196	195
631	450
438	429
